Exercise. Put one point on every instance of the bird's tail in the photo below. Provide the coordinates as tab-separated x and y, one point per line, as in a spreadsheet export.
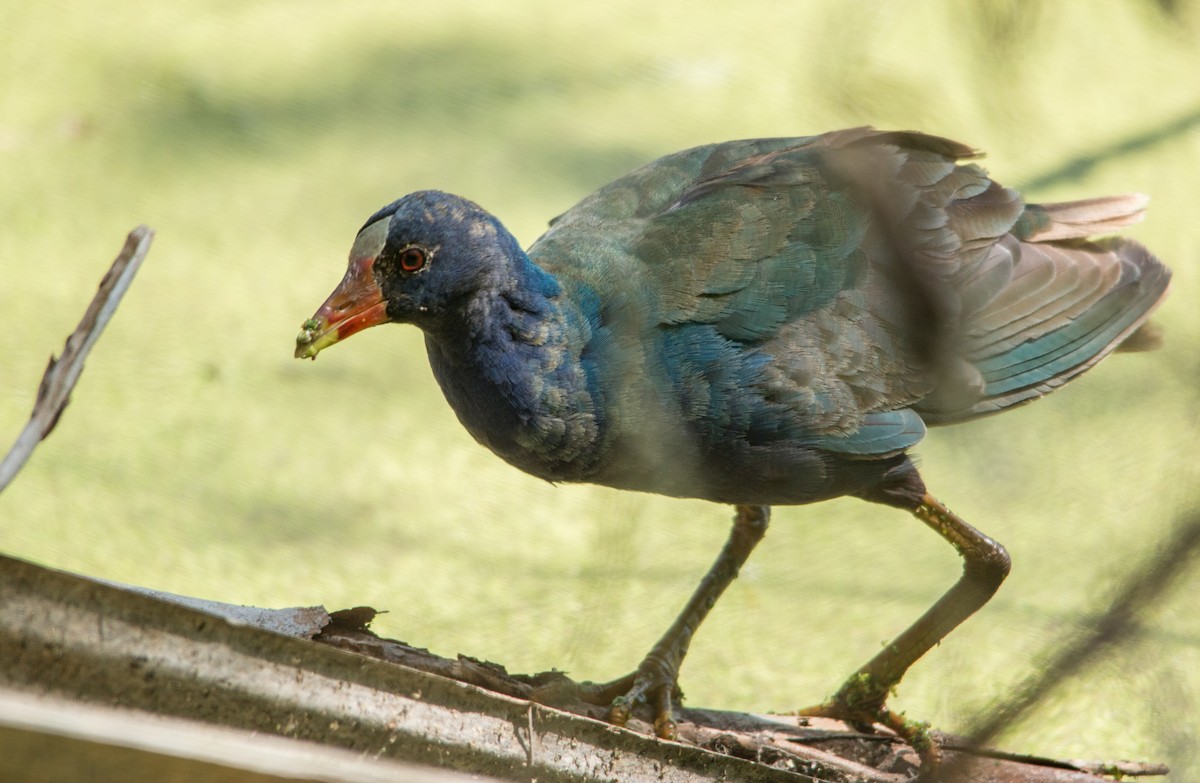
1047	303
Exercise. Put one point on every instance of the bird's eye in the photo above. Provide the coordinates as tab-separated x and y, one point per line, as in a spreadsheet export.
412	259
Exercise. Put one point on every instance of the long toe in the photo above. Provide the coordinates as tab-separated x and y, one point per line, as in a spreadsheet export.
869	711
640	692
860	701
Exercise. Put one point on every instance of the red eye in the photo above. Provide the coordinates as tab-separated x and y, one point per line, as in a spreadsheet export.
412	259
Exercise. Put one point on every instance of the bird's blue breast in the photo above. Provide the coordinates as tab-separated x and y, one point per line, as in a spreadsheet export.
524	379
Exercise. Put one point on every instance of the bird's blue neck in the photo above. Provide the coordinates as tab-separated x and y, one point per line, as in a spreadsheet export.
511	363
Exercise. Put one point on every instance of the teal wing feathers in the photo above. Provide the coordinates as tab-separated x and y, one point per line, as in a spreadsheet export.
828	266
1046	303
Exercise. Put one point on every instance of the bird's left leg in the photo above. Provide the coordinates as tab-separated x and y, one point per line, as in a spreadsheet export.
656	679
861	699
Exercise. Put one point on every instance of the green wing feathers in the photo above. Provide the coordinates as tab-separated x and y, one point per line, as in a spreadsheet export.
880	280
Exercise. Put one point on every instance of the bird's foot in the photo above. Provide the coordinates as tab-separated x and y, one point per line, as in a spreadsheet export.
861	702
653	684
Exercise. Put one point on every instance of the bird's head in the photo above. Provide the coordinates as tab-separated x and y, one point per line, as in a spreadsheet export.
410	263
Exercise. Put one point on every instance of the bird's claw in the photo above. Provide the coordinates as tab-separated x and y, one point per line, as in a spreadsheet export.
861	703
623	696
619	712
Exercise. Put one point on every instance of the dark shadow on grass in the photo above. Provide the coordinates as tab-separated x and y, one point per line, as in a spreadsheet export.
1118	626
1081	166
471	88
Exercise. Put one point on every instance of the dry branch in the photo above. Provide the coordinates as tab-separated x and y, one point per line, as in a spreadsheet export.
62	373
817	748
69	638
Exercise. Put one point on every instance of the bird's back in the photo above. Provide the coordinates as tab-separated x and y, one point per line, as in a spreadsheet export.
833	294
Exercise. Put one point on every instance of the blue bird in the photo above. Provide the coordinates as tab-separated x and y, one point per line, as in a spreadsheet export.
760	322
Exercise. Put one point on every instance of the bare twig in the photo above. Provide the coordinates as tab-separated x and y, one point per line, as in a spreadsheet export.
62	373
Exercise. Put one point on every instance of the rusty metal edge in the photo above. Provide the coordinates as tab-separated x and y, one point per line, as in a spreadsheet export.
46	738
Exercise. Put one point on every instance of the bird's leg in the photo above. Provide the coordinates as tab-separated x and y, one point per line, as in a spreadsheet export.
656	677
861	699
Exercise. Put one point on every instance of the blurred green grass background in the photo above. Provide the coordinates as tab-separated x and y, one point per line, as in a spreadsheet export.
199	457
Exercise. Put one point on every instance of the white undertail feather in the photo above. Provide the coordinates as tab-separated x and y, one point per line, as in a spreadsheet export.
1089	217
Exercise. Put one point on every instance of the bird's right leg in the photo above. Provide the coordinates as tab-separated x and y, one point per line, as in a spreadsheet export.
861	700
656	678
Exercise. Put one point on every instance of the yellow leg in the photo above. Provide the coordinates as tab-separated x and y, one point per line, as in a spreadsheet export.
861	700
655	680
